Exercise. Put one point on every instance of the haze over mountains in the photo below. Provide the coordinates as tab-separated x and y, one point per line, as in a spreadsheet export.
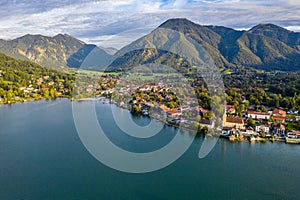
265	46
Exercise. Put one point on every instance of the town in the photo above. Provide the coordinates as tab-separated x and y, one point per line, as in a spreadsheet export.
176	107
183	104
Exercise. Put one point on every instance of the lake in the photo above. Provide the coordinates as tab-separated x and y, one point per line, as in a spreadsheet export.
42	157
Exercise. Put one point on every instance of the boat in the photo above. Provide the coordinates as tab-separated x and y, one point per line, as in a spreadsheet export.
292	140
293	137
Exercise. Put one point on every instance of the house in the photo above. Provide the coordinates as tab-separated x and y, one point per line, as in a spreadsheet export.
289	119
279	119
279	129
294	134
234	122
206	122
279	112
230	109
202	111
50	83
258	115
250	131
173	113
262	128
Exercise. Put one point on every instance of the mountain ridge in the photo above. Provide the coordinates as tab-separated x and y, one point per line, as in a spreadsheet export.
230	48
58	51
265	47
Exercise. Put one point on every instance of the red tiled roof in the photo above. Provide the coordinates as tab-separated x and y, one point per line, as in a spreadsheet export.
229	106
252	112
279	118
279	112
236	120
202	110
172	111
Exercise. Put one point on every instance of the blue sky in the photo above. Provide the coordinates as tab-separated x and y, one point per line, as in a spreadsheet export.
109	22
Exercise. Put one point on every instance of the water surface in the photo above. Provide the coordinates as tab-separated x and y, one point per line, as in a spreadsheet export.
42	157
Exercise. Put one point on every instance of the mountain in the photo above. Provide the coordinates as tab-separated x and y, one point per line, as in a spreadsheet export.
267	47
277	33
61	50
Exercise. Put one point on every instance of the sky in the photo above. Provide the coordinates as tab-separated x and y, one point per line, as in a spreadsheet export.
117	22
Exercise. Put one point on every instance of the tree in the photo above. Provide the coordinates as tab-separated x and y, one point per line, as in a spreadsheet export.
250	122
208	115
170	105
53	93
135	109
204	130
9	96
46	94
198	118
271	119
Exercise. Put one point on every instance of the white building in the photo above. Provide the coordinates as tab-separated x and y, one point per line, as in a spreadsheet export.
262	128
258	115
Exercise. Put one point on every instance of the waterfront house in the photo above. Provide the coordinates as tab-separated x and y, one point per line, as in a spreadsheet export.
206	122
262	128
294	133
173	113
250	131
279	129
234	122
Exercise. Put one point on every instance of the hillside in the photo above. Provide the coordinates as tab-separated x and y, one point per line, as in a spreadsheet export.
24	80
61	50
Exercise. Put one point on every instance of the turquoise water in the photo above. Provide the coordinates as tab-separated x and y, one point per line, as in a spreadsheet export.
42	157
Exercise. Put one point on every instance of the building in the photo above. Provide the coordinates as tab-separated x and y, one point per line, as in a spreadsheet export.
234	122
279	129
279	115
293	134
262	128
279	119
258	115
230	109
173	113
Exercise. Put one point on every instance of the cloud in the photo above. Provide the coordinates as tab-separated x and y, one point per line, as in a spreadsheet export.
95	20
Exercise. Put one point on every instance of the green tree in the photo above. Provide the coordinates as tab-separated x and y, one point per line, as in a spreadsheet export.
135	109
53	93
250	122
46	94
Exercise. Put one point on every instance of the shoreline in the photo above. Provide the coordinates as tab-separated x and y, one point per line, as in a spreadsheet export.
230	138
